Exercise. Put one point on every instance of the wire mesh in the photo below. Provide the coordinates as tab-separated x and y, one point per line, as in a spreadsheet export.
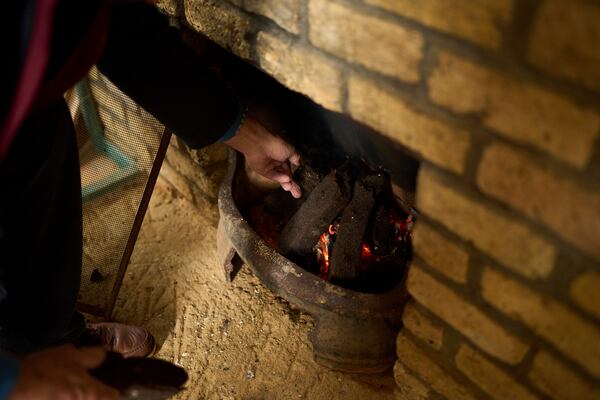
118	145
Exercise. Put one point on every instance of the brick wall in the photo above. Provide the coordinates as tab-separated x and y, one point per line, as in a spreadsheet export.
196	174
500	100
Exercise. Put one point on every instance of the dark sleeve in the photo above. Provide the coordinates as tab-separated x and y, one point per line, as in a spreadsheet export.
9	371
147	60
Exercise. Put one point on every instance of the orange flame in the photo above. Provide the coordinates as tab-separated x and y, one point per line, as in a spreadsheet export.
324	238
365	251
366	255
403	231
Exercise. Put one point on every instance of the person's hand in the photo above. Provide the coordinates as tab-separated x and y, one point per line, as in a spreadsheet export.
267	154
62	373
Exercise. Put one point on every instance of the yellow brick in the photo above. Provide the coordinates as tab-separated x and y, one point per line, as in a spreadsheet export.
557	381
301	69
478	21
422	327
409	387
564	41
493	380
516	109
205	179
505	239
377	44
221	25
285	13
440	253
434	140
571	211
575	337
465	317
208	156
417	361
585	292
168	7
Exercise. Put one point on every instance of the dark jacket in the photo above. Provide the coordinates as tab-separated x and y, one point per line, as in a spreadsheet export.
132	44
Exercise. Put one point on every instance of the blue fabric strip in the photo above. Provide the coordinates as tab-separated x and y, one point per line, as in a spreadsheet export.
235	127
9	371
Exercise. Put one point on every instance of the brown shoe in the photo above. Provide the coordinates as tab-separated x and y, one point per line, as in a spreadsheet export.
127	340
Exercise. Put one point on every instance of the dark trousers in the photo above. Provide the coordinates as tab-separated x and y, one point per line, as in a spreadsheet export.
40	234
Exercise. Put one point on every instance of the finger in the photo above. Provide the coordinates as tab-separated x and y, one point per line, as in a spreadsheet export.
295	159
284	168
279	174
295	190
91	357
286	186
278	177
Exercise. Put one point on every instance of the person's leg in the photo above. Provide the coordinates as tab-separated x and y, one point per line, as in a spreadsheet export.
40	234
41	245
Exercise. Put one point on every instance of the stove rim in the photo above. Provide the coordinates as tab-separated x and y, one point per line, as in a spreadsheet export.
289	280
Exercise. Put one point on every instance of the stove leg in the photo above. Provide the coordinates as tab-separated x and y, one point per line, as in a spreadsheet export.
227	256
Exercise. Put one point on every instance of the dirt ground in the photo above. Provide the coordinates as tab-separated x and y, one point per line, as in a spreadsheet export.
237	341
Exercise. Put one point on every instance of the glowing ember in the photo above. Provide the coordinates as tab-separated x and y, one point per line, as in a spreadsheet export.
367	255
365	251
331	229
403	228
325	240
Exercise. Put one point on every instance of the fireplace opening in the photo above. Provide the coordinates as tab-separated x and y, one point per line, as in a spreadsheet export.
352	226
340	252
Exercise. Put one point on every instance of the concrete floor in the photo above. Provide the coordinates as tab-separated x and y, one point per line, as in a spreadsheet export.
237	341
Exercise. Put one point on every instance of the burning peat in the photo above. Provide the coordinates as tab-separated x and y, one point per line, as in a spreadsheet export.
347	228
